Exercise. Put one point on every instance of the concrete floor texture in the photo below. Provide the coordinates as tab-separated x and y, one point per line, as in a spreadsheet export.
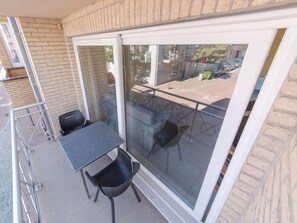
63	198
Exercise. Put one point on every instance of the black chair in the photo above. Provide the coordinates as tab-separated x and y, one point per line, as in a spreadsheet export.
72	121
169	136
114	179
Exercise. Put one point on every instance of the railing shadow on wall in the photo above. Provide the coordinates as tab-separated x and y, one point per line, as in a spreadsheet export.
28	129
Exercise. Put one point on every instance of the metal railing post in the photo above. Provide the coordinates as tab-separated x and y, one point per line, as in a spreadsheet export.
16	188
25	184
192	123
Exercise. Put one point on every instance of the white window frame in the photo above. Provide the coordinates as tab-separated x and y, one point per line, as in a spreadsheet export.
261	21
16	48
257	41
277	74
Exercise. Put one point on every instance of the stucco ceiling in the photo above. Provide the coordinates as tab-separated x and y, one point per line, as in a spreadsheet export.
41	8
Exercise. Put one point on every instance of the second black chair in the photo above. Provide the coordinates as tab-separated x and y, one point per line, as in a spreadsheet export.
167	137
72	121
114	179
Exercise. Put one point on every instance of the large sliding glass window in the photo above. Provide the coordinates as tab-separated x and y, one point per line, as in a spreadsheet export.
176	99
179	104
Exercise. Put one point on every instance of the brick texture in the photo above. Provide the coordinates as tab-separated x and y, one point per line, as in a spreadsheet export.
20	92
47	46
267	185
124	14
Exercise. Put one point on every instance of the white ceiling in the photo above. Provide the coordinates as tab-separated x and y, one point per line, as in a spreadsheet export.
41	8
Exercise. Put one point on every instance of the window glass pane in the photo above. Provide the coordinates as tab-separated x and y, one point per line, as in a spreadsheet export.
98	76
9	42
176	99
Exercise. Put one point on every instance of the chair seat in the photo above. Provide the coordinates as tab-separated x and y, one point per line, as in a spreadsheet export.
111	176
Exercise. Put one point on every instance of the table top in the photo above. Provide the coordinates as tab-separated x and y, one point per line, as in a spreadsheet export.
86	145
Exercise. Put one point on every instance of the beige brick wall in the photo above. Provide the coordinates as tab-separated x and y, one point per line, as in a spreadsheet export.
266	190
104	15
47	46
20	91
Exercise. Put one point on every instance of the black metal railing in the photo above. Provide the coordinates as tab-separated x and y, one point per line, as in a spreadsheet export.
181	113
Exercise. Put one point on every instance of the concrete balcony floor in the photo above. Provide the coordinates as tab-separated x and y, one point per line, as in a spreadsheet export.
63	198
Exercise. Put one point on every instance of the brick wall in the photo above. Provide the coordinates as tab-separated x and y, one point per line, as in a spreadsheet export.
20	91
107	15
266	190
47	46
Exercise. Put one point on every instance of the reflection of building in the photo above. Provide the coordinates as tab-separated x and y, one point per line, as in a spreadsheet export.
173	62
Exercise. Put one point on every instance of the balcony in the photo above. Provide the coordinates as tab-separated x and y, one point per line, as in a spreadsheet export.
50	191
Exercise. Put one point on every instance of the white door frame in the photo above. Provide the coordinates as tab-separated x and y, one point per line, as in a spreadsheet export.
261	21
115	42
258	41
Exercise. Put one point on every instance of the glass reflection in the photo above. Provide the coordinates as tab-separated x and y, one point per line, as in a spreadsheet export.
176	99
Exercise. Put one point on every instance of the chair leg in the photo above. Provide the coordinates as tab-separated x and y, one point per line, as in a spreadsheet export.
167	161
135	192
152	150
179	151
97	193
112	209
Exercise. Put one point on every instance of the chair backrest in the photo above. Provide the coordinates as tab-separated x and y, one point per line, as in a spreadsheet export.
71	121
124	164
170	128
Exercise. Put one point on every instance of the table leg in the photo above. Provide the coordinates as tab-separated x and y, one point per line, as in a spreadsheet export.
85	184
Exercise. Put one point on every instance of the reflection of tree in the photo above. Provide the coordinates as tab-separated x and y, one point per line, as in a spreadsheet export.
141	71
109	54
140	64
211	53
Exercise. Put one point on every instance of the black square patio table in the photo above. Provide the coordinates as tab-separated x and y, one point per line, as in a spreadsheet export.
88	144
